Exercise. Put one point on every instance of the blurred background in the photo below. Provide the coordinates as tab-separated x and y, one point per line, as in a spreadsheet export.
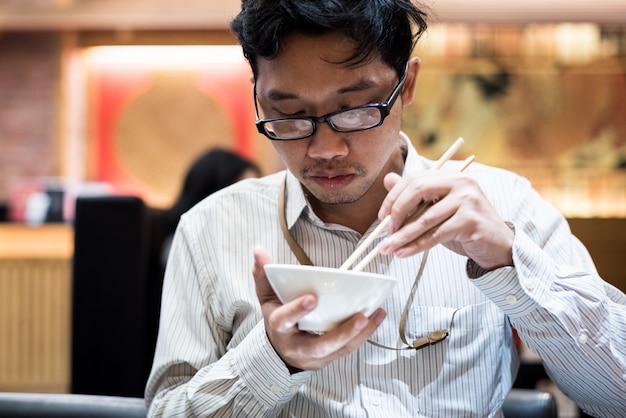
119	97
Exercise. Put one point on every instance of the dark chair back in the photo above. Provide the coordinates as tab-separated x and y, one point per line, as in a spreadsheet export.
521	403
109	287
45	405
529	403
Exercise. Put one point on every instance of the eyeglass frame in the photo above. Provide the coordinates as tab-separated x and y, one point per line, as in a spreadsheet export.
383	107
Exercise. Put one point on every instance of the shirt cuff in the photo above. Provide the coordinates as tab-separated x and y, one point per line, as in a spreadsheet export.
521	289
473	270
264	372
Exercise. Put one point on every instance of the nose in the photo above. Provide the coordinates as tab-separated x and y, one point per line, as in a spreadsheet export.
327	144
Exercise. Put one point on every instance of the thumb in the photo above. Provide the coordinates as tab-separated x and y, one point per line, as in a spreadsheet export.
390	180
263	289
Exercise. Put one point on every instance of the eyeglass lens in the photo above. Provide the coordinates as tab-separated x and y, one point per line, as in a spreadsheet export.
347	121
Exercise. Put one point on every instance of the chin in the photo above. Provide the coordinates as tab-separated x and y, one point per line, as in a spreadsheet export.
343	195
338	200
339	197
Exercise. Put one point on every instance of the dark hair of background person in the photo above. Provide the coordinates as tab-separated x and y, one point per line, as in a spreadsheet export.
211	172
379	28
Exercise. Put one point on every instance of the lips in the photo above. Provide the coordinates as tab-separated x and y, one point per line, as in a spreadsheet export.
332	177
333	181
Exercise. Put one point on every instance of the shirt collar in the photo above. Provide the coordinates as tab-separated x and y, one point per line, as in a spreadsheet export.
297	204
295	201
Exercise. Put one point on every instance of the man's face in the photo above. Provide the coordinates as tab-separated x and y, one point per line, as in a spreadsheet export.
307	79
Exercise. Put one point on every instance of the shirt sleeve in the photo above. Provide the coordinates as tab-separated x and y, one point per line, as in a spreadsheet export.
561	308
195	371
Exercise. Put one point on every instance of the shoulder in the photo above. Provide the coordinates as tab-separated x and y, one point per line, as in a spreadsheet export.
249	195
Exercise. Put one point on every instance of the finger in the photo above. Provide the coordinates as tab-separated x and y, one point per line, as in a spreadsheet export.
263	289
444	233
341	341
400	202
360	332
426	231
285	318
282	318
408	193
359	329
261	256
424	242
390	181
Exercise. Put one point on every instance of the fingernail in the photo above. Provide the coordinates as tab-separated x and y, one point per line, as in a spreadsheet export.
401	253
384	246
380	317
308	303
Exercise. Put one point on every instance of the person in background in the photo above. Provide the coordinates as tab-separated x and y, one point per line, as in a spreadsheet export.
212	171
330	81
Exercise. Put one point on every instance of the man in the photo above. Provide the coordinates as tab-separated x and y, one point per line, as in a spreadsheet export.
331	79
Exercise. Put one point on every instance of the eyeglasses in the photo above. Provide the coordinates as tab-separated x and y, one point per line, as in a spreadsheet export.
355	119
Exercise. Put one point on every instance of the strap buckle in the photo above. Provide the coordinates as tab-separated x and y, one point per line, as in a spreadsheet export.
430	339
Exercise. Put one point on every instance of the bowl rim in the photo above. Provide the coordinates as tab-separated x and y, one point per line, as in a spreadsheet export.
313	322
334	270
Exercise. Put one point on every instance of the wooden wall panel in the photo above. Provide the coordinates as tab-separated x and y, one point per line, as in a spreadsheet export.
35	324
606	241
35	307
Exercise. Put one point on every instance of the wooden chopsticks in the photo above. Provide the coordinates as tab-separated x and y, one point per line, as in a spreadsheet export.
385	222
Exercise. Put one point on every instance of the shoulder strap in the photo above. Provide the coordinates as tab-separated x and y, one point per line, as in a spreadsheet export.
302	257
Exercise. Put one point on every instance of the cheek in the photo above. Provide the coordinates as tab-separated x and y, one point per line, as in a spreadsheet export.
291	152
380	143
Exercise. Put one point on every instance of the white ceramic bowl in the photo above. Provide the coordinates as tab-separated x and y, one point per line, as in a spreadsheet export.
340	293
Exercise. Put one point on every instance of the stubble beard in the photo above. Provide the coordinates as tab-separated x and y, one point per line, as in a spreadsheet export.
340	197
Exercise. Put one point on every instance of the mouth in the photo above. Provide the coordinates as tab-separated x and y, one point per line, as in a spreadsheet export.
332	181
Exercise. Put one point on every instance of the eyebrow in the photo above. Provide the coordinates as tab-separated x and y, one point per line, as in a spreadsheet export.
361	85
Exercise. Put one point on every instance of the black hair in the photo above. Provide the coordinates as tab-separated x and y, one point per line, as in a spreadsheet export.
385	29
209	173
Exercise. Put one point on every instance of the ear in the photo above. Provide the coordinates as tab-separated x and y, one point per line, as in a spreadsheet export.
411	78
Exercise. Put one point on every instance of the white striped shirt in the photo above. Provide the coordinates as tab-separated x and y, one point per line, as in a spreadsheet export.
213	357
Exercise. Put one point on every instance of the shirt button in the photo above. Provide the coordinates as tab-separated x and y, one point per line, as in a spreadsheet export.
275	389
511	299
294	389
528	284
583	338
376	401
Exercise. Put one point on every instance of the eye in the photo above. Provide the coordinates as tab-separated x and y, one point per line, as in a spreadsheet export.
285	109
351	118
299	113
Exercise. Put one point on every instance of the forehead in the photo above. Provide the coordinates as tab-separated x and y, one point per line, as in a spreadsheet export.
314	62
